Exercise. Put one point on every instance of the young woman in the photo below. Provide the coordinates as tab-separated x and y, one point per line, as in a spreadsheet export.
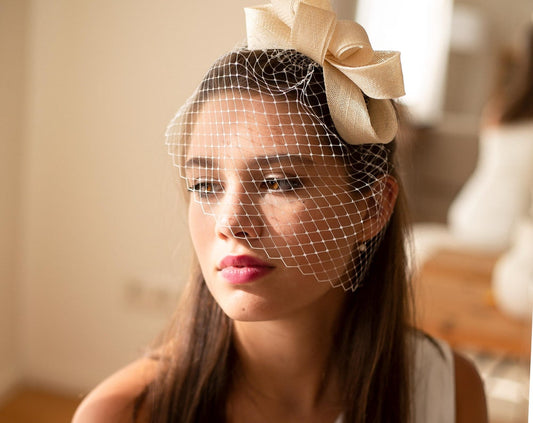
298	307
477	215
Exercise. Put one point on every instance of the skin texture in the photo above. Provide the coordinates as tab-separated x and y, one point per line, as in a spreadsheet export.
298	206
470	401
239	208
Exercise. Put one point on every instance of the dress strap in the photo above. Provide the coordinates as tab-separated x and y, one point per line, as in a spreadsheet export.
433	382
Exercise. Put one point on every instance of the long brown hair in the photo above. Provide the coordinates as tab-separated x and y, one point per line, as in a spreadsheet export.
370	349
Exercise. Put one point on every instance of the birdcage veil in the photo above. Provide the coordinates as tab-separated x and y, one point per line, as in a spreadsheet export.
268	150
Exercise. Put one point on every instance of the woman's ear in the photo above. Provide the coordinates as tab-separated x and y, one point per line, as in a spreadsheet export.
381	202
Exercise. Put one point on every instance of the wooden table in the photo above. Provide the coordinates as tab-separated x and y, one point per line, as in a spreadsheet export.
454	302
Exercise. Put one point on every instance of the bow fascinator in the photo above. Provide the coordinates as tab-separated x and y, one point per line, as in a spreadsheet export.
352	69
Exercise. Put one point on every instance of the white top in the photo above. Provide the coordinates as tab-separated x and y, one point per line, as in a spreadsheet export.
434	383
500	190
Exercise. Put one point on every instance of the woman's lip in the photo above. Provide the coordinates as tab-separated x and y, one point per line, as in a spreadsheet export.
243	269
242	261
241	275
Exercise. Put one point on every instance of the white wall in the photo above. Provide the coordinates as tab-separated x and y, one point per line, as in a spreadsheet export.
12	35
105	77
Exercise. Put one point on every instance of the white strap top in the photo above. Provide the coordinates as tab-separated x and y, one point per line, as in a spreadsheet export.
433	383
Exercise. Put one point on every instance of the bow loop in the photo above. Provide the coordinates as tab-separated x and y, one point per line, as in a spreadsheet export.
312	31
351	66
350	45
381	78
285	10
264	29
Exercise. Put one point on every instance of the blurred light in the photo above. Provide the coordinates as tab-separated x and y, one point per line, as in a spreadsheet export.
420	30
468	29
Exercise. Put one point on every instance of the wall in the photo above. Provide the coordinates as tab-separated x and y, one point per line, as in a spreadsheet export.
102	230
12	41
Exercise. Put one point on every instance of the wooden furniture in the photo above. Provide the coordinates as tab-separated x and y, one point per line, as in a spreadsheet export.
29	405
454	302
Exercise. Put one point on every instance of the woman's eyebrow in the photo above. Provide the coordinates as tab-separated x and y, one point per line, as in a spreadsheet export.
258	161
291	159
202	162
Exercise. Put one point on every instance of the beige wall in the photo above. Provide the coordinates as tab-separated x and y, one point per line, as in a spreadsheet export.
104	78
12	35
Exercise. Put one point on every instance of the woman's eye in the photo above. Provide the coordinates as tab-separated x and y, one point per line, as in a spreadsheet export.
205	187
285	184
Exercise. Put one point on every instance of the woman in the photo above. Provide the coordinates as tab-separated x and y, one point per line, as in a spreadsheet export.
489	208
495	207
298	305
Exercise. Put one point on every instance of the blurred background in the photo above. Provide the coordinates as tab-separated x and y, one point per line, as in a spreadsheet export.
93	246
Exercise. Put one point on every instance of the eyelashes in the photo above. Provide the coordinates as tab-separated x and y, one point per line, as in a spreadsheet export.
205	188
274	185
282	184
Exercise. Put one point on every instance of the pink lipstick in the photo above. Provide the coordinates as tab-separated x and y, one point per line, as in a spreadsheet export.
243	269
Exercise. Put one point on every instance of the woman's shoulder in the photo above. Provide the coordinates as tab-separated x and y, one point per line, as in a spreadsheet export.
470	401
114	399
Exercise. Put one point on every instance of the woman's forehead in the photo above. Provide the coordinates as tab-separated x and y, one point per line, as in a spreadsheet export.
234	126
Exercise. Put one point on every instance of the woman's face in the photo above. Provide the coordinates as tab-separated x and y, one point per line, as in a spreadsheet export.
271	211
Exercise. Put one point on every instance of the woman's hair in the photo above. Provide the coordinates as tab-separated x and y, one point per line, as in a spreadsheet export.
515	96
371	349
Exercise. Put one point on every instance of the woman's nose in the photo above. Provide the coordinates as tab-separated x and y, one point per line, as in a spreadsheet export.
238	216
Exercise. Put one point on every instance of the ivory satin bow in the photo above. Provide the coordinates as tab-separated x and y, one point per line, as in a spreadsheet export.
351	66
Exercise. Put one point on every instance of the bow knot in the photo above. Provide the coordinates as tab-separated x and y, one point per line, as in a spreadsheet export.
351	66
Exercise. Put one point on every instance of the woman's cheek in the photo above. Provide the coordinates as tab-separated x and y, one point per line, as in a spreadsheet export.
200	226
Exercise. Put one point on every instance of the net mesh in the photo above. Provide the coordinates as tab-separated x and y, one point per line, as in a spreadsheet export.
258	151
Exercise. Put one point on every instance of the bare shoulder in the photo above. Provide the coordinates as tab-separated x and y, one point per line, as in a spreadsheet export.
471	405
113	399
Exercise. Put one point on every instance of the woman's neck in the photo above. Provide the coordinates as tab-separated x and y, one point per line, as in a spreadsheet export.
286	362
